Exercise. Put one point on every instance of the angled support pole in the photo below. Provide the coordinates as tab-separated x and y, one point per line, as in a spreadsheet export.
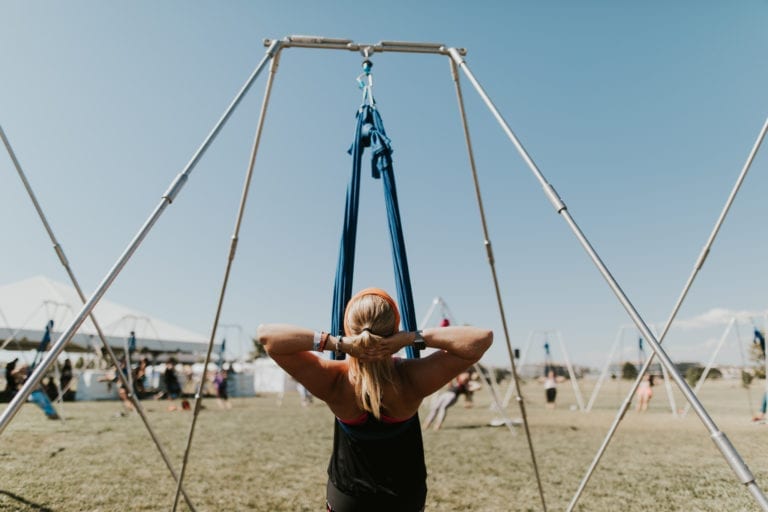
228	268
721	441
492	264
36	376
107	348
729	452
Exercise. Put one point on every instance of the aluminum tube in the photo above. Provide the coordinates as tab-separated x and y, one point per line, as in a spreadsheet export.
728	451
697	266
497	288
431	310
325	43
34	378
711	362
227	271
604	373
574	384
75	283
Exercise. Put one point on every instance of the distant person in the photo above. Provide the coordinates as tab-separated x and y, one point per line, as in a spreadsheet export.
644	393
140	377
446	399
377	462
171	380
220	382
50	389
114	377
550	389
760	416
65	379
11	385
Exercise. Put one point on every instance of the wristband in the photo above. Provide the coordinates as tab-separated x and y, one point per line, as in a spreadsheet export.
316	342
418	341
323	340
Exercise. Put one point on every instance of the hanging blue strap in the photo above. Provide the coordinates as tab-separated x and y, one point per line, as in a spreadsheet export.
43	346
759	338
369	132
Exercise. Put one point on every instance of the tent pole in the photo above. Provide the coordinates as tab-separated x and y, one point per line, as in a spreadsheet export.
721	441
230	260
75	283
491	263
34	378
694	272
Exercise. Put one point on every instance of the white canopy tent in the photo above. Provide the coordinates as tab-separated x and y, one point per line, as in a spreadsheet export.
26	307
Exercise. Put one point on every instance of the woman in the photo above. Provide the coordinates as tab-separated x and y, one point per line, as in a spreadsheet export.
377	461
550	389
447	399
644	393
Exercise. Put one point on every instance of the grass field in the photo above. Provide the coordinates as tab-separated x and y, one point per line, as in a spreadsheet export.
267	456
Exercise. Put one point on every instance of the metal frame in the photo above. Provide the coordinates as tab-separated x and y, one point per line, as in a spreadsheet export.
617	343
457	62
108	349
724	445
571	373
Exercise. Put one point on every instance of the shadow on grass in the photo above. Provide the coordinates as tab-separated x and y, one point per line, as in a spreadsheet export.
29	504
468	427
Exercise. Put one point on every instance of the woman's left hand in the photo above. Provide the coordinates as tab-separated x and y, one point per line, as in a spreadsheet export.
381	350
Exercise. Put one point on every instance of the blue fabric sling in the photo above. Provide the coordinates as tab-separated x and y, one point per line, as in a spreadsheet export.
369	132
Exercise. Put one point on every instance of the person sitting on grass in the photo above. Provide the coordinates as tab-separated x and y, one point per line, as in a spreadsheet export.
377	462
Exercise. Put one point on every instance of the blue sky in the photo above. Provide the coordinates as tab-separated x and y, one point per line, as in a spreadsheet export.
640	114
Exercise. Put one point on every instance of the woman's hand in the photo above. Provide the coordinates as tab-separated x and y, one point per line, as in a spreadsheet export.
381	350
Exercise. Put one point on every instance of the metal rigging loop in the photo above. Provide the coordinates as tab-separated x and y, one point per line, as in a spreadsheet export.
365	79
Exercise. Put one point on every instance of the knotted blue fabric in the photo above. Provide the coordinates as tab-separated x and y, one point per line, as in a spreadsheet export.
369	132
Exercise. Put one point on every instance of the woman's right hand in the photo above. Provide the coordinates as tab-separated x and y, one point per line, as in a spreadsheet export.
386	347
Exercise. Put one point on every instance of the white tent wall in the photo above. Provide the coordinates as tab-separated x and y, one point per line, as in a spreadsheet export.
95	385
29	304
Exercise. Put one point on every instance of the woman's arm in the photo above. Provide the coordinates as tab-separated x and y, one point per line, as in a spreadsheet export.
459	347
291	347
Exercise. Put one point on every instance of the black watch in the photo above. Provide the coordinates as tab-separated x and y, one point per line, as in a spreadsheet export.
418	341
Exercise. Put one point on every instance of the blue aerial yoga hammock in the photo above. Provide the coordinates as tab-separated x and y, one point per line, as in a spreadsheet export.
38	396
370	132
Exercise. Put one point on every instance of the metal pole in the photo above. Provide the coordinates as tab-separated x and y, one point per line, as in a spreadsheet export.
696	268
75	283
491	263
230	260
711	362
511	388
431	310
604	373
34	379
721	441
574	384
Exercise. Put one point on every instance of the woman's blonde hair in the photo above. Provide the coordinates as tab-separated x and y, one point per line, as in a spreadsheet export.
369	317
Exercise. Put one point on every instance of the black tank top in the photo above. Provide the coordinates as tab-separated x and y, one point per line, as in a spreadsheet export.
378	464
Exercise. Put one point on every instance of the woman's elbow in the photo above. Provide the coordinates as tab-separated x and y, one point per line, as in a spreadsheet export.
263	336
486	339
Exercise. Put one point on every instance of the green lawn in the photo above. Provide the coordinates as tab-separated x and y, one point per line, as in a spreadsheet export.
268	456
